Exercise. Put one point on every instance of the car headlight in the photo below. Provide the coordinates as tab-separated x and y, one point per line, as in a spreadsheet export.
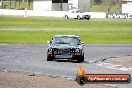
50	50
77	50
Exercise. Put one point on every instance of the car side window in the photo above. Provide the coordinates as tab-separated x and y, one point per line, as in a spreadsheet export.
76	11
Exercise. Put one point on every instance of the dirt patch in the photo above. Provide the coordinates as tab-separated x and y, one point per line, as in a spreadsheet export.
19	80
124	61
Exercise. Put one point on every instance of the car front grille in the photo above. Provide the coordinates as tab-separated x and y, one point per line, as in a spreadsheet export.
63	51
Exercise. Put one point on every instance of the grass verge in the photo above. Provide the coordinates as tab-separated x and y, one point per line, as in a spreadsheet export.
95	31
88	36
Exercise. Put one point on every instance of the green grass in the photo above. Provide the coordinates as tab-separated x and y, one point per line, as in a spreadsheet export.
88	36
45	22
94	31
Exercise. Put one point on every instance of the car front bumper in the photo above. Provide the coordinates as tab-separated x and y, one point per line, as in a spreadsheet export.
63	56
73	57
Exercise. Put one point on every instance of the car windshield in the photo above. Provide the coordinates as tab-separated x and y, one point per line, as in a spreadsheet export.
79	11
66	40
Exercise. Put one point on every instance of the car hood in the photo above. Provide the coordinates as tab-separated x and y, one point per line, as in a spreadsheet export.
59	46
82	13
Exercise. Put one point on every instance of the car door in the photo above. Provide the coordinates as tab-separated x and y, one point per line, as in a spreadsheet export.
72	14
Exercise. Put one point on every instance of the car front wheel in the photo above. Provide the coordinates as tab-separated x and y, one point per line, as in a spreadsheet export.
83	58
78	17
66	17
80	59
49	58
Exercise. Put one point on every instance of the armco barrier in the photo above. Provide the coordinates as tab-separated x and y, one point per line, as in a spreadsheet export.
46	13
11	12
32	13
97	14
61	13
119	15
116	15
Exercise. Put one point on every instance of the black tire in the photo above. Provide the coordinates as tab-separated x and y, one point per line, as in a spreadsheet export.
78	17
83	58
66	17
79	60
88	18
81	80
49	58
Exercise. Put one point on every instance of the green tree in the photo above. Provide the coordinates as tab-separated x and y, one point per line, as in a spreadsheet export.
98	1
10	4
15	4
20	3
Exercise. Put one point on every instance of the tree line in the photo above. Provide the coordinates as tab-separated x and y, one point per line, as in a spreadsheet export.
108	3
13	3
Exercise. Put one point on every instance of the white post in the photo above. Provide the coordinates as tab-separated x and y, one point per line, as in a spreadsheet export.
25	15
128	16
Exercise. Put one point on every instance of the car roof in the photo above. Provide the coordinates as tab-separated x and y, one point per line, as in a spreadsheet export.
74	9
66	36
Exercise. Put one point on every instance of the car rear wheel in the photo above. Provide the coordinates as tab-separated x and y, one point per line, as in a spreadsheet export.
88	18
66	17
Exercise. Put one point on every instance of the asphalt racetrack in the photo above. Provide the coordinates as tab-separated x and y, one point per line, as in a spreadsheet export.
32	59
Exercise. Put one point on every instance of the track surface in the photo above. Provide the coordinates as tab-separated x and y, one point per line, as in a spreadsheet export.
32	59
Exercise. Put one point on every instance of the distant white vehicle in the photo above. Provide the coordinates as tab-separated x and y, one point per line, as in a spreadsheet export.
77	14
